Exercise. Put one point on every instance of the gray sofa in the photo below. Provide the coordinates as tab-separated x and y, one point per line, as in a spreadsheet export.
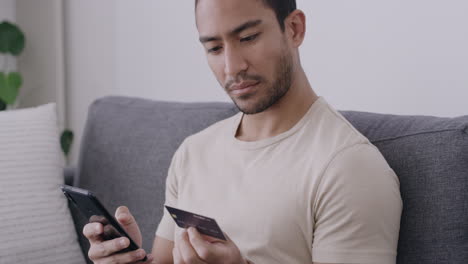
128	144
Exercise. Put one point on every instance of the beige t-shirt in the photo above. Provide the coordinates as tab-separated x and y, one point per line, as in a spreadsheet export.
319	192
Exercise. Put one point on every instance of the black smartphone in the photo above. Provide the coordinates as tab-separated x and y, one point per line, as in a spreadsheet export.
93	210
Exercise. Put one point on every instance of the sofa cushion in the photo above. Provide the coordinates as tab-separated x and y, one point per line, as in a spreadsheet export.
129	142
36	226
430	157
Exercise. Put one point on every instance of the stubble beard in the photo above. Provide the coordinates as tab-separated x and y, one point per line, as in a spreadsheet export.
276	90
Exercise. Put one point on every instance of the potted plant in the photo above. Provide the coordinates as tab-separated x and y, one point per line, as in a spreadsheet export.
12	42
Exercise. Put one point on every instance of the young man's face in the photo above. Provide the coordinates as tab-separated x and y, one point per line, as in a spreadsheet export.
246	50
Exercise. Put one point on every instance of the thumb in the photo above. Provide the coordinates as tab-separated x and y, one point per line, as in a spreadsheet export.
201	246
228	239
197	239
127	221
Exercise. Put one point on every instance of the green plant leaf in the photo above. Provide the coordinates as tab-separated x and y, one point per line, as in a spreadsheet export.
12	39
3	105
66	140
9	86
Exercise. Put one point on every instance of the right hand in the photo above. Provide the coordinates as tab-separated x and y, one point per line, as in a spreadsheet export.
104	251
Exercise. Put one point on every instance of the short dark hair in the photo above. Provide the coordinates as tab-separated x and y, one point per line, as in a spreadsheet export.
282	9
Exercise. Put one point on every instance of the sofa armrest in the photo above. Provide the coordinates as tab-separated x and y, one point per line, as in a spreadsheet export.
69	174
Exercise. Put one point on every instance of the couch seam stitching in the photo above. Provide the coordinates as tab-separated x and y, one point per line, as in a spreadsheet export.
419	133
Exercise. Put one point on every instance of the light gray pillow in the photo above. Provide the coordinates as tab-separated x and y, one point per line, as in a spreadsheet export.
35	223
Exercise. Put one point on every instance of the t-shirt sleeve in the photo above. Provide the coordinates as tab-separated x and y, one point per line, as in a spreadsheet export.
357	209
166	225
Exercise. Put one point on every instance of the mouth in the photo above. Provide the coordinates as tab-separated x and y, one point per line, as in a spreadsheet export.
243	88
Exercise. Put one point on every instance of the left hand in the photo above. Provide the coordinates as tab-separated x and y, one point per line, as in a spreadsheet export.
191	247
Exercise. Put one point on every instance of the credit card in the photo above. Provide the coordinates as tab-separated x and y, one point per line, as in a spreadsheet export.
204	225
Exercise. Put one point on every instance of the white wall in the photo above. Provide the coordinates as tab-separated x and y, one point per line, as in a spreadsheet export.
402	57
7	10
42	61
90	59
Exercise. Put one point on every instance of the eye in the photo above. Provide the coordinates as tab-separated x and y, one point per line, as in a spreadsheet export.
250	38
214	50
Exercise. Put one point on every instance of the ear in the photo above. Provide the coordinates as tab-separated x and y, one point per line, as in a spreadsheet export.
295	27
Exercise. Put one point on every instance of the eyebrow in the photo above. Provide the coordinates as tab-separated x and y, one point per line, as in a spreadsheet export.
237	30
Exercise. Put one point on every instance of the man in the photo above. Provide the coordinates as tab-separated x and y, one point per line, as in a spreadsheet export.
288	178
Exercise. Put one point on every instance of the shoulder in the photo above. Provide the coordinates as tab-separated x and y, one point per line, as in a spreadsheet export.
349	150
359	164
332	135
357	205
340	129
357	175
358	157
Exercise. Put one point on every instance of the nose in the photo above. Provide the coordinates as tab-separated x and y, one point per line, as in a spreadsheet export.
234	62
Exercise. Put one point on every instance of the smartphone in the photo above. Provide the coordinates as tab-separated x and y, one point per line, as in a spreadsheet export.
93	210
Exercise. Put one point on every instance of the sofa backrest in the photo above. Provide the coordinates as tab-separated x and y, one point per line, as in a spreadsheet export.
126	150
128	144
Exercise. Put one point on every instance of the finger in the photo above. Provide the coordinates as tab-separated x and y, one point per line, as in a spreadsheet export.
109	232
199	244
124	216
92	232
149	260
107	248
211	239
186	250
126	219
176	256
98	218
128	257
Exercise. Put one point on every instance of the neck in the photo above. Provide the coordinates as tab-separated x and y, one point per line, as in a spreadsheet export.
281	116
